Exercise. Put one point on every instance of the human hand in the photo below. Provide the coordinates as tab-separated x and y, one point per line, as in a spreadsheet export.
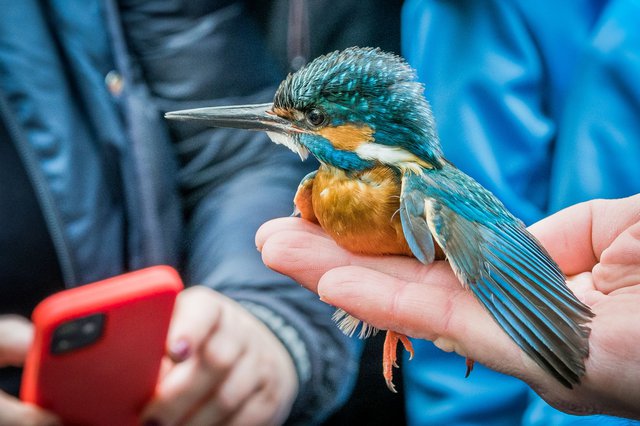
16	334
226	367
596	243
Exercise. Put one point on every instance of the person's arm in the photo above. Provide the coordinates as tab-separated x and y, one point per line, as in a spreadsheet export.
232	182
596	150
597	243
490	85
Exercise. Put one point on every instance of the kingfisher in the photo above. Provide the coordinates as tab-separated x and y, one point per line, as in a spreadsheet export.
383	187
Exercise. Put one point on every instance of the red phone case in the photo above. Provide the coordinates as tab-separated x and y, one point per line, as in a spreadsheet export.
108	381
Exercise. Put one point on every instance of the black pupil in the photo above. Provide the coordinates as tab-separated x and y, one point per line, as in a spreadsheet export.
315	117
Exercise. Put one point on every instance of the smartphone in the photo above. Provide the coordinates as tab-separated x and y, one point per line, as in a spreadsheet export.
97	348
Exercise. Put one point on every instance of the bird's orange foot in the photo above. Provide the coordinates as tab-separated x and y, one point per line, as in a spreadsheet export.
389	355
469	363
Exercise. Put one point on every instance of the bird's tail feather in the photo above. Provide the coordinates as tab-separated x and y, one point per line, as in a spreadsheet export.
526	294
348	324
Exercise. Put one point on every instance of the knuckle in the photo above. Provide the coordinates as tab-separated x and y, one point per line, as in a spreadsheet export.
226	403
222	358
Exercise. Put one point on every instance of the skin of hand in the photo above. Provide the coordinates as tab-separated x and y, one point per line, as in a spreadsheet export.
224	366
16	334
596	244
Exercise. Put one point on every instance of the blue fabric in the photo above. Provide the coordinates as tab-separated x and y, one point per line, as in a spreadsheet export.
538	101
62	141
120	190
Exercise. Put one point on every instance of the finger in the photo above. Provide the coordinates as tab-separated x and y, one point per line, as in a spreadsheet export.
441	311
186	386
14	412
176	392
259	410
302	255
583	288
195	317
274	226
619	265
391	303
233	393
305	257
16	334
576	236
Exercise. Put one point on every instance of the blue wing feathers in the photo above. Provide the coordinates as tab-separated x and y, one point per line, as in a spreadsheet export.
415	228
504	312
507	270
553	319
530	264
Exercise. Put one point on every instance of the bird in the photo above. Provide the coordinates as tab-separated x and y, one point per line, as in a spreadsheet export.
384	187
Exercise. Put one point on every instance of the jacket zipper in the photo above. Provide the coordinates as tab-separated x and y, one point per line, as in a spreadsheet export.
45	199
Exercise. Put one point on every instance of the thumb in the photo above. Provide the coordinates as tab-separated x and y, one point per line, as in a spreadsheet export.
15	412
16	334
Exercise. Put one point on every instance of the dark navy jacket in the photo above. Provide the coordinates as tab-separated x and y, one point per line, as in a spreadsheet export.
83	88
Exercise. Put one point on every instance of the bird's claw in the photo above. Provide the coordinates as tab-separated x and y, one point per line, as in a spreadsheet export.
470	362
390	357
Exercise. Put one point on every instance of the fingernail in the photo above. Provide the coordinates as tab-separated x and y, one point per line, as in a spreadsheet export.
180	350
151	422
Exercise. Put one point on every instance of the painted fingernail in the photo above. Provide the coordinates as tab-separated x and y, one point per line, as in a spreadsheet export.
180	350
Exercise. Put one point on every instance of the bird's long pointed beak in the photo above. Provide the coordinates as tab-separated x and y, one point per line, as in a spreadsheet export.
249	117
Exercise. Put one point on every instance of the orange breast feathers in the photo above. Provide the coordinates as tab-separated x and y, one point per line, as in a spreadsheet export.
359	211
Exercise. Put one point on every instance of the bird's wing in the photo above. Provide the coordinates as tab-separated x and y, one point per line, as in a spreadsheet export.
414	226
507	270
302	201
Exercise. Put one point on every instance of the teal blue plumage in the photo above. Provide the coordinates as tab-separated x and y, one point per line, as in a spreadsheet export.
504	266
360	111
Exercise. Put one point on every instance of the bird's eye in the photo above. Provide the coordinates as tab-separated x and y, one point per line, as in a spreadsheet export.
315	117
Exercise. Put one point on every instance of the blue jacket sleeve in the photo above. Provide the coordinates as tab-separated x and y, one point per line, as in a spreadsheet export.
233	181
486	84
493	91
598	149
537	107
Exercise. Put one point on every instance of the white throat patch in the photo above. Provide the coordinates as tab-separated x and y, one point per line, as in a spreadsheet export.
391	155
287	140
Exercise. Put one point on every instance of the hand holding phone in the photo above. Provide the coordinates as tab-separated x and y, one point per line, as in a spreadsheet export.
97	349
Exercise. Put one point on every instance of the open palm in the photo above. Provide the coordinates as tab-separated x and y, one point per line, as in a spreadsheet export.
596	244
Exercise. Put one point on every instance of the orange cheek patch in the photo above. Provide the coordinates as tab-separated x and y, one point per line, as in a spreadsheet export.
347	137
284	113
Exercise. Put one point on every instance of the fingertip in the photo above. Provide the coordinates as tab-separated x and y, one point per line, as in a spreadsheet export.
330	282
301	256
274	226
14	411
361	291
16	335
180	350
265	231
195	315
275	249
46	418
566	235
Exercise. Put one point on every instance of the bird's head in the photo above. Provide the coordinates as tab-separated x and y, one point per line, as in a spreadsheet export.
351	109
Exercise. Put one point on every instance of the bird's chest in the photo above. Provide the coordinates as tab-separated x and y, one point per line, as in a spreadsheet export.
360	210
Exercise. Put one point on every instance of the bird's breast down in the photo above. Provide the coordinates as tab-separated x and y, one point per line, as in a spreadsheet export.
360	210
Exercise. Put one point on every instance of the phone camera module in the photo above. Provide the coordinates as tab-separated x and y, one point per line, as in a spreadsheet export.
77	333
